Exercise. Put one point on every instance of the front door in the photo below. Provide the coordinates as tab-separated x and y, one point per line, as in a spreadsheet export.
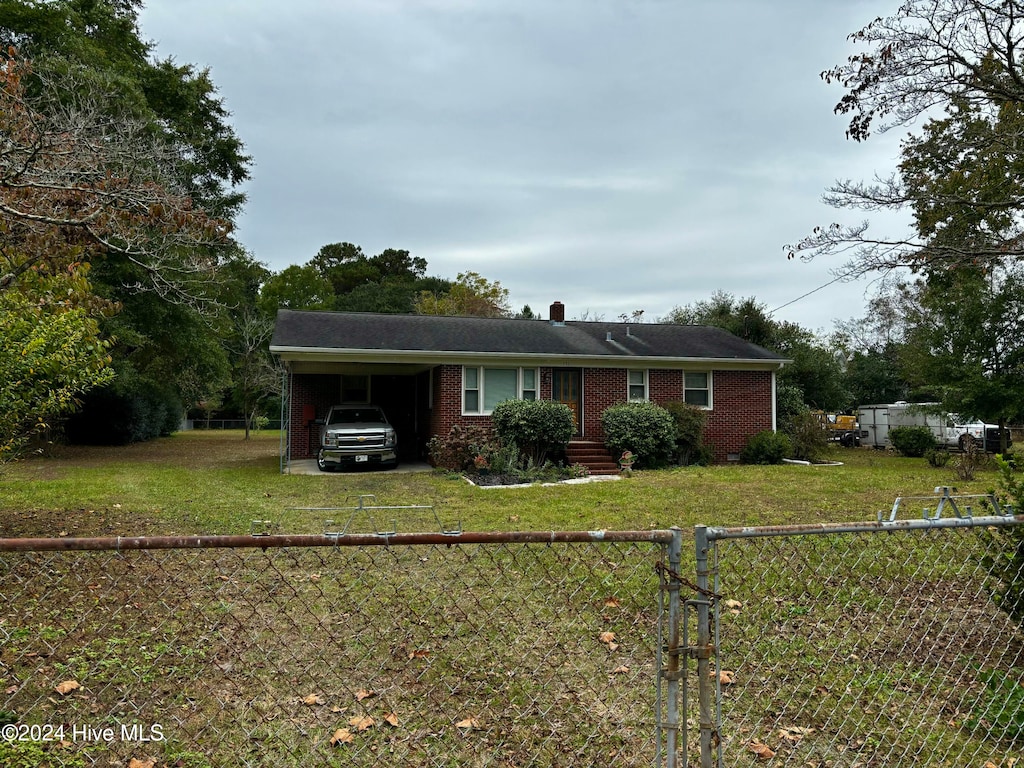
566	387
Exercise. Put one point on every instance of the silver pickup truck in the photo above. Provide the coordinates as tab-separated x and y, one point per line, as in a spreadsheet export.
356	435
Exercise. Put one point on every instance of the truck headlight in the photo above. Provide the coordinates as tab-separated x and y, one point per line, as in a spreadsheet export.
390	438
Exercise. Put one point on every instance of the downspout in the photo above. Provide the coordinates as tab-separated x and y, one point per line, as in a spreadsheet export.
775	398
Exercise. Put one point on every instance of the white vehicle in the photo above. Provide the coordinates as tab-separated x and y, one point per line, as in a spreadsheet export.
356	434
950	430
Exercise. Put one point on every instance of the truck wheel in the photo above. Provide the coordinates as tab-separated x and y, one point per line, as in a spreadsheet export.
966	442
320	463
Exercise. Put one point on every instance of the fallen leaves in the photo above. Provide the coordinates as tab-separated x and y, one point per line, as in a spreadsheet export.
312	700
794	734
342	736
608	638
67	687
362	722
762	751
136	763
468	724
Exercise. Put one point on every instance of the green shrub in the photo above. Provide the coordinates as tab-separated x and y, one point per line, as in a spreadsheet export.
131	410
645	429
810	441
767	447
704	456
1005	566
912	441
1000	714
689	421
937	457
535	427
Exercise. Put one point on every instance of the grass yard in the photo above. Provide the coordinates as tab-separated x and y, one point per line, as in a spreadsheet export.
213	482
478	655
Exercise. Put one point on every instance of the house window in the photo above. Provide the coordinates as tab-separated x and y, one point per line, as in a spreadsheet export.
697	388
529	384
484	388
355	389
637	386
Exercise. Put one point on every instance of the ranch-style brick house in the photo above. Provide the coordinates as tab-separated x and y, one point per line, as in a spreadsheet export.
429	373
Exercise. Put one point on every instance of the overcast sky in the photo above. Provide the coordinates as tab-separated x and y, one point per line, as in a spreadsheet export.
613	155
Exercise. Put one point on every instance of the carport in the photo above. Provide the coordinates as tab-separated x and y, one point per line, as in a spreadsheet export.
311	388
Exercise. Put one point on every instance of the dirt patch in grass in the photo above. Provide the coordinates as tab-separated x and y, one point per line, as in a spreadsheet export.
87	491
201	449
80	523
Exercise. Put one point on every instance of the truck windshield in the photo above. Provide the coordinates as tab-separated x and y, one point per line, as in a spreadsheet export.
363	415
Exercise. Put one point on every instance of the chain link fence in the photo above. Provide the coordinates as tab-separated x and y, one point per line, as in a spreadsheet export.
431	650
866	644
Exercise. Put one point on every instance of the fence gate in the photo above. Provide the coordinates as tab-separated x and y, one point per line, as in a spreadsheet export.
448	648
891	642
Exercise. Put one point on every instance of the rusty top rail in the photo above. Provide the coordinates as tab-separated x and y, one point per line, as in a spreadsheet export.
875	526
125	543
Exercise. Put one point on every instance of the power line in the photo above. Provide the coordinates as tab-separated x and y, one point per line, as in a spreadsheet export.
804	296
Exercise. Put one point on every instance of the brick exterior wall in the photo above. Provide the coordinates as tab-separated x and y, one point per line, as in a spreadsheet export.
310	394
447	410
742	403
602	387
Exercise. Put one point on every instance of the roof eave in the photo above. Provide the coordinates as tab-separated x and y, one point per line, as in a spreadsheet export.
437	357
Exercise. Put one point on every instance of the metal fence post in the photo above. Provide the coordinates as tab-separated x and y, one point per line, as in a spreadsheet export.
672	674
705	680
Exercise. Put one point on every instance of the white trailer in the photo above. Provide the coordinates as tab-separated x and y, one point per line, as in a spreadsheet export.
949	429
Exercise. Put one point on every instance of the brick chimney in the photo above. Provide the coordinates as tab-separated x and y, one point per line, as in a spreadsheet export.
556	314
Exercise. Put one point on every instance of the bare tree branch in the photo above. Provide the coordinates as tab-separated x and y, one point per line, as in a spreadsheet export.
74	179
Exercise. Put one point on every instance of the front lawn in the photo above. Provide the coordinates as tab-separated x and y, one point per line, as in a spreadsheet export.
217	483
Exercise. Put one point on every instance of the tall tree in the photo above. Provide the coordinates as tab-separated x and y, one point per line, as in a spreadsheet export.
296	287
966	339
98	42
961	57
471	294
127	163
76	184
872	347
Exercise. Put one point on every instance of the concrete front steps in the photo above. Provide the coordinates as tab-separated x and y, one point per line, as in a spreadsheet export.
594	456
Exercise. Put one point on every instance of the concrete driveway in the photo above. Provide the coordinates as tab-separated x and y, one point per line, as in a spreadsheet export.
308	467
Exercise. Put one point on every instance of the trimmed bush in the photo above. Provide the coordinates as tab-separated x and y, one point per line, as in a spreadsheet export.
912	441
689	421
645	429
936	457
535	427
810	441
767	447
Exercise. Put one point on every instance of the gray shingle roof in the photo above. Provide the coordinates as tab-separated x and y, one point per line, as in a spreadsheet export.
296	331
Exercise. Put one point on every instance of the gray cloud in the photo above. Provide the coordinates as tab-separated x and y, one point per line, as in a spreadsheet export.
612	154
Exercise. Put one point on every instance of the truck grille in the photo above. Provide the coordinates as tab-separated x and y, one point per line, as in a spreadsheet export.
366	441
